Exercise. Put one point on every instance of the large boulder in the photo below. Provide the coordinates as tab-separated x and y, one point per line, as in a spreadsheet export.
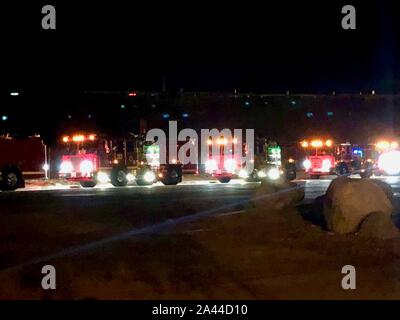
349	201
386	188
378	225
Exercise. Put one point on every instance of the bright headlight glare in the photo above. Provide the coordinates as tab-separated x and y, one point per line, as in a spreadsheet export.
102	177
211	165
66	167
86	166
130	177
230	165
243	174
307	164
390	162
274	174
149	176
326	165
261	174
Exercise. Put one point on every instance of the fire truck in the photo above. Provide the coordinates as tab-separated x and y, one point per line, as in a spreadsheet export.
324	157
20	159
384	156
269	164
223	164
90	159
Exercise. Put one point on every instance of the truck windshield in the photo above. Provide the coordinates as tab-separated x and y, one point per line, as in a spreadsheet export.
81	148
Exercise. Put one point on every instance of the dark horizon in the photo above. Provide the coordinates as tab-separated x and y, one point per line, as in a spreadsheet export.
297	47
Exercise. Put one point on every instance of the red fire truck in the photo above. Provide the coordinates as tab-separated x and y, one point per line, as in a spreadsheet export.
89	159
324	157
223	165
20	159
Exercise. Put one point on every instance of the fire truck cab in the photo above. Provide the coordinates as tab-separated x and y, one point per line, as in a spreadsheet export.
20	159
384	157
327	158
222	164
269	165
91	159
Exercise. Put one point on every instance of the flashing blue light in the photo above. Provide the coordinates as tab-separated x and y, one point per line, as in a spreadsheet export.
185	115
309	114
293	102
247	103
4	118
358	152
329	113
165	115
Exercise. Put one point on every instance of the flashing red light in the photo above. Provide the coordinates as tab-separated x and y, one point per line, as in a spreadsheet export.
132	94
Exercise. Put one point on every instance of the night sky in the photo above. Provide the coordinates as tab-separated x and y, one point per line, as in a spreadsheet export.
111	48
201	46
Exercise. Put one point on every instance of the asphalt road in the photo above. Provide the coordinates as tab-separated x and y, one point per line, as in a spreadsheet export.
73	216
190	196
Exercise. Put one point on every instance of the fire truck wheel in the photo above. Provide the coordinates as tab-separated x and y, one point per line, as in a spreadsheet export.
342	169
172	178
118	177
12	179
88	184
224	179
366	174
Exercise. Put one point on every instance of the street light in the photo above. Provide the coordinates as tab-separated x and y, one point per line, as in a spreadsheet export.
4	118
14	94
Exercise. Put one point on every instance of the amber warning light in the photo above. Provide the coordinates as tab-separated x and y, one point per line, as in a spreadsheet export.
79	138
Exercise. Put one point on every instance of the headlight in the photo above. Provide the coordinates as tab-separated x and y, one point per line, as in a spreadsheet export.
130	177
274	174
66	167
326	165
149	176
390	162
261	174
102	177
211	165
307	164
86	166
230	165
243	174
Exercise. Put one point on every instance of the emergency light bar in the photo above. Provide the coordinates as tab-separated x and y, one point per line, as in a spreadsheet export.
79	138
316	143
386	145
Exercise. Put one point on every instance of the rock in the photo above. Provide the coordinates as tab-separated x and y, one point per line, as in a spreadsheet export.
386	188
378	225
349	201
278	196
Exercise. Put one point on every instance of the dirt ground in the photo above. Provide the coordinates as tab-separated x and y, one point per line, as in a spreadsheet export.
252	254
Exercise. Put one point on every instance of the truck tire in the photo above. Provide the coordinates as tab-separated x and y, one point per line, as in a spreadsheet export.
253	177
224	179
290	171
366	174
88	184
342	169
118	177
172	178
12	179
